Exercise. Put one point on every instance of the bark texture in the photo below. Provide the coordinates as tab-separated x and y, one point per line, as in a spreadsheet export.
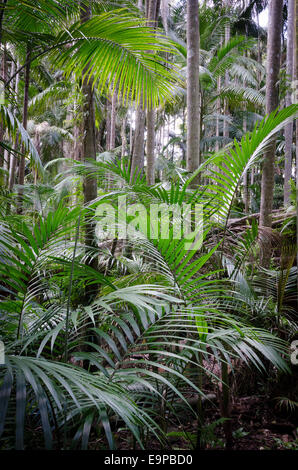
21	176
290	75
272	72
152	15
193	90
137	163
89	142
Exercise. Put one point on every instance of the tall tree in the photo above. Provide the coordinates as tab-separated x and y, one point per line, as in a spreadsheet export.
193	90
296	102
89	135
272	74
153	6
290	75
21	176
137	158
226	130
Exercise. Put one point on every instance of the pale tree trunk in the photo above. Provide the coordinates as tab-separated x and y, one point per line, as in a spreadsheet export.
2	130
226	126
217	131
112	133
13	158
165	14
89	144
193	89
259	47
25	119
152	14
108	123
131	133
137	158
150	147
137	163
245	176
289	127
123	137
272	73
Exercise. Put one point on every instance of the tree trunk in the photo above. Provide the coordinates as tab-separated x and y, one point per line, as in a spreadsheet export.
245	176
2	9
2	130
217	131
137	163
123	138
13	158
131	133
165	14
226	126
150	146
193	91
273	64
112	133
89	142
25	118
296	102
289	127
137	158
152	17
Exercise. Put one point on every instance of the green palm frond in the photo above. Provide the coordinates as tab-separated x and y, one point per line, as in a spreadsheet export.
114	48
13	126
235	93
233	163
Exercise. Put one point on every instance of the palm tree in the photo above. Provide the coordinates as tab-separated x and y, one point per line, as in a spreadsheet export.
273	66
290	75
193	92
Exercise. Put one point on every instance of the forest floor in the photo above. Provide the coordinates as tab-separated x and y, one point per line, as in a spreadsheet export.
256	422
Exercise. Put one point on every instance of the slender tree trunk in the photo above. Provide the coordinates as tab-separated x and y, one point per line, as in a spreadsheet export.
108	123
112	134
225	404
89	143
290	75
226	126
296	102
25	119
273	64
131	134
13	158
150	146
2	130
245	176
165	14
2	10
193	90
137	163
152	15
123	137
153	7
217	131
137	158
